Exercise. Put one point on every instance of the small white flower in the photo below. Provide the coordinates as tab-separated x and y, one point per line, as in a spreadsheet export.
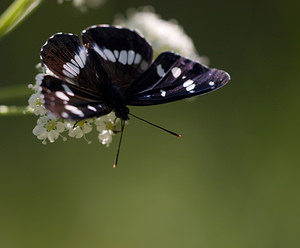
106	122
76	132
41	68
163	35
36	104
105	137
79	129
106	126
48	128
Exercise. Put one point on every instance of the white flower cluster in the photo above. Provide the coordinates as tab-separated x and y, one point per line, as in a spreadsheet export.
163	35
84	5
49	128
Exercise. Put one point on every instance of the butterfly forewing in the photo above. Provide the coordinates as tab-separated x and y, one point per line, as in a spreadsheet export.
124	54
68	59
172	77
69	101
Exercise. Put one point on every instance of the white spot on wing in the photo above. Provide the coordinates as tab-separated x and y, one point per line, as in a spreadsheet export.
74	110
109	54
188	83
123	57
73	67
69	69
68	74
74	62
137	59
116	53
91	108
99	51
211	83
82	55
163	93
68	90
79	61
62	96
176	72
64	115
190	87
130	58
160	71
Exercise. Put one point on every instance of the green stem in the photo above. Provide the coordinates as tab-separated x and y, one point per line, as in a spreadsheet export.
13	92
14	110
15	13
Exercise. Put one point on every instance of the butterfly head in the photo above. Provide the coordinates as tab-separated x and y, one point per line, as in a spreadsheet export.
122	113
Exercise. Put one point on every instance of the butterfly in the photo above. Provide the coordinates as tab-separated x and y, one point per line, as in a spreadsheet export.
111	69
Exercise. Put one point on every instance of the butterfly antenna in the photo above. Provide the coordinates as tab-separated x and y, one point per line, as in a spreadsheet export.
166	130
117	156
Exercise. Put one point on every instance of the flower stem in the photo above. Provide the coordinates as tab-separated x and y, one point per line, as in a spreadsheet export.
14	110
15	13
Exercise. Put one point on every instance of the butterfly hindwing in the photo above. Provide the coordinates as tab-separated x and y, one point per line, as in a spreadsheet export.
124	54
66	57
68	101
172	77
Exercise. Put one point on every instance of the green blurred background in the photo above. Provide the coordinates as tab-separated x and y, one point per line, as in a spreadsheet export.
232	180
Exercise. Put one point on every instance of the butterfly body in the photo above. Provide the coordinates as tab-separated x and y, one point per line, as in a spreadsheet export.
111	69
116	99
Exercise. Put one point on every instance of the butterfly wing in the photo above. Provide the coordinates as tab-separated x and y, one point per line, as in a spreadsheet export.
68	59
68	101
124	54
172	77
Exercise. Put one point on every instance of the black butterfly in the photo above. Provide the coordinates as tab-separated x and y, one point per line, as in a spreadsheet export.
111	68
